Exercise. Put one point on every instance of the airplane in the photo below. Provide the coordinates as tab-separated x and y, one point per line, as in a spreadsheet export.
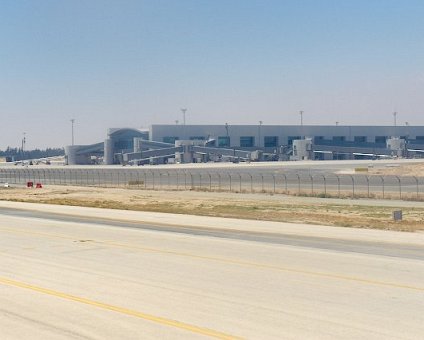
373	155
44	160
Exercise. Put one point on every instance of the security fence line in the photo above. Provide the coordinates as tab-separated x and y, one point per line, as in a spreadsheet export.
325	185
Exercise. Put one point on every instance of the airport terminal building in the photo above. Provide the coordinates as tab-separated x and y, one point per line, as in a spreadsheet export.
266	142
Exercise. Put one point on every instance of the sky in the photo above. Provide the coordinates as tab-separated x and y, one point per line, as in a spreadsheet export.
122	63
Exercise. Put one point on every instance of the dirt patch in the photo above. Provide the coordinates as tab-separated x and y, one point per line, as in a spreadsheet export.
416	170
258	207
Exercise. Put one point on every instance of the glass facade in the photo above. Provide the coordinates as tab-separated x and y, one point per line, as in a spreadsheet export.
223	141
169	139
123	144
290	139
360	139
339	138
270	141
380	139
247	141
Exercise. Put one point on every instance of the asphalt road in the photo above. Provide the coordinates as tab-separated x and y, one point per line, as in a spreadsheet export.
66	272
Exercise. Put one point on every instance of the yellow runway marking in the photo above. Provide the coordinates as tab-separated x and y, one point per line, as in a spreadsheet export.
141	315
230	261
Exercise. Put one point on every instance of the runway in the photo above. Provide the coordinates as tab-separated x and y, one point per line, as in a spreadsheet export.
72	274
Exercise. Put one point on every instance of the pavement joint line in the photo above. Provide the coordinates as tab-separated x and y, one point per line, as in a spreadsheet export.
235	262
140	223
156	319
261	265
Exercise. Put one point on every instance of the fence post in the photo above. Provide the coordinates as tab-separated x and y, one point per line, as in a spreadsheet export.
251	182
153	179
312	184
273	176
239	182
127	177
353	186
325	185
262	180
298	184
368	186
229	175
400	187
382	184
285	182
416	180
210	181
219	181
80	177
338	185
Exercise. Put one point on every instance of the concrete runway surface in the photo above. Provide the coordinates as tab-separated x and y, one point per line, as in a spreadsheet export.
84	273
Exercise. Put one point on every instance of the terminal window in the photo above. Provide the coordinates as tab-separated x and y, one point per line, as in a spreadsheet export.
290	139
270	141
169	139
360	139
223	141
380	139
124	144
197	138
339	138
247	141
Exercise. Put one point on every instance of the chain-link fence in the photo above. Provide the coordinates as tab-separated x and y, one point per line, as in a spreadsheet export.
323	185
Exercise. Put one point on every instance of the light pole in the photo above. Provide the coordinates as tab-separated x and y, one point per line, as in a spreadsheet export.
23	145
260	125
72	130
337	123
394	117
176	122
184	115
301	124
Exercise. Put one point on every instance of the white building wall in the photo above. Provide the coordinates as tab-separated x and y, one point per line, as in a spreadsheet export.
283	132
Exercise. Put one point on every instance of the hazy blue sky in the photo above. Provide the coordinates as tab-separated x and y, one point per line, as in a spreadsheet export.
135	63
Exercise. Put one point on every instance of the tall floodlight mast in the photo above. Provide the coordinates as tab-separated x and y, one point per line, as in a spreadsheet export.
72	130
259	141
23	145
184	115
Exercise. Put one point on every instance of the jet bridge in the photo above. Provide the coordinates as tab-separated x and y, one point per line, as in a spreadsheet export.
184	151
137	157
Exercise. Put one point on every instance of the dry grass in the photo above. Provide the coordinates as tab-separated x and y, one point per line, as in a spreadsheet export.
259	207
416	170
